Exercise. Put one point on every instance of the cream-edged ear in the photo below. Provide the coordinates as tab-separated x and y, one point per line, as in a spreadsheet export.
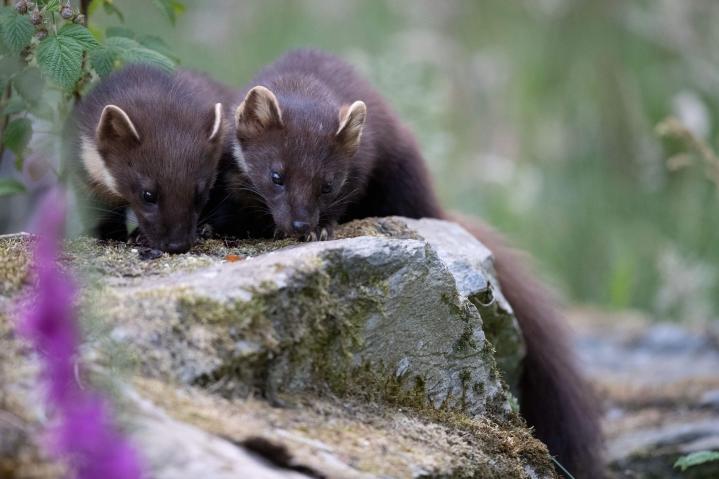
115	125
216	131
352	120
258	112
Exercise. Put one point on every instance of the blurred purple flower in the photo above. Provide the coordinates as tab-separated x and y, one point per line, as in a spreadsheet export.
84	435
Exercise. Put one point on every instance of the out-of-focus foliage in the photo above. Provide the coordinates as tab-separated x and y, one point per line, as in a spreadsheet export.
539	115
696	459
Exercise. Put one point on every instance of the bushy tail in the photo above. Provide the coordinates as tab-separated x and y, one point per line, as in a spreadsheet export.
555	398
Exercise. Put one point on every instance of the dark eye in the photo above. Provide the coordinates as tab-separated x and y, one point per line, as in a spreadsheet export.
277	178
326	188
149	197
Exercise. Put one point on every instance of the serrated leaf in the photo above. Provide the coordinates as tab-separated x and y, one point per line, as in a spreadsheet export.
79	33
30	84
119	32
17	135
121	43
51	5
103	60
171	8
130	51
60	59
16	30
9	187
14	105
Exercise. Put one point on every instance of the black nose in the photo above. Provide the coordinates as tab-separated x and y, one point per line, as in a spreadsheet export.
176	247
301	227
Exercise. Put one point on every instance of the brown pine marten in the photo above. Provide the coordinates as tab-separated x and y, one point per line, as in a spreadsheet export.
314	145
307	147
149	140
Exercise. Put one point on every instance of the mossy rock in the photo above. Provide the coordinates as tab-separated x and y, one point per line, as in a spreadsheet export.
395	318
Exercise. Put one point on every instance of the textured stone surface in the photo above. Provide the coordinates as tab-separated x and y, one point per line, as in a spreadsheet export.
659	383
378	348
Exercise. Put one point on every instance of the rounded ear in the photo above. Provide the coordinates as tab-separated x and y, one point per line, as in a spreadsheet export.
215	124
258	112
115	126
352	120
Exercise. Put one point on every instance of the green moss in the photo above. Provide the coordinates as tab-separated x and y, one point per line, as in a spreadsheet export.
385	227
466	341
502	332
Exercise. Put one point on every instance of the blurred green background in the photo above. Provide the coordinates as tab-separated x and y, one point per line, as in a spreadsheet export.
538	115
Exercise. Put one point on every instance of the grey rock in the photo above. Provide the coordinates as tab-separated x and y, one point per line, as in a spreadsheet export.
660	385
379	346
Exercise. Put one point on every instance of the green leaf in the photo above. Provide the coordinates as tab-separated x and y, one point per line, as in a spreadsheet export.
150	57
80	33
17	135
696	459
159	45
9	66
60	58
16	30
171	8
14	105
103	60
119	50
130	51
10	187
30	85
119	32
51	5
107	5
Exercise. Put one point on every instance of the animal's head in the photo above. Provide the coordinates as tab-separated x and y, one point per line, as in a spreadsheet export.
164	170
298	157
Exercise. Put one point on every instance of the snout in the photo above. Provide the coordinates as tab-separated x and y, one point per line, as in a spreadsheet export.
170	234
301	227
301	222
178	239
177	246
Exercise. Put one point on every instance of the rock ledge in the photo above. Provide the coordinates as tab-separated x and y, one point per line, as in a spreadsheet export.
389	352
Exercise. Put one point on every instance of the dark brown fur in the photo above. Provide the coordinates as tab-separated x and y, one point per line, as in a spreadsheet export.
387	176
174	158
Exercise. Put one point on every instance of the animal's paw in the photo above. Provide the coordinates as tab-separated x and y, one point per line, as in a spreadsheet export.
205	231
136	238
321	233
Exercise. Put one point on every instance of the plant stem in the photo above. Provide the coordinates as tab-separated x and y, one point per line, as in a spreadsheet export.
5	97
5	118
84	5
